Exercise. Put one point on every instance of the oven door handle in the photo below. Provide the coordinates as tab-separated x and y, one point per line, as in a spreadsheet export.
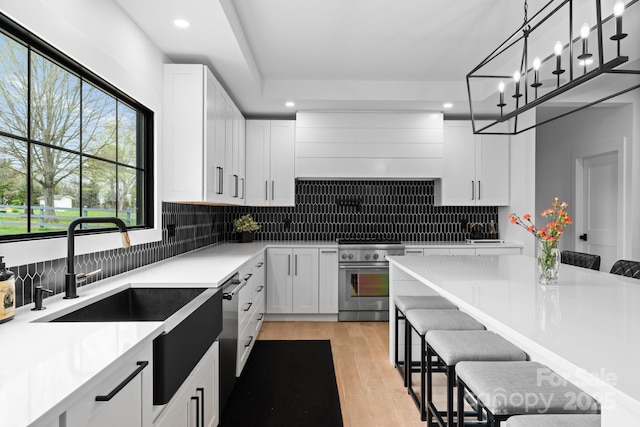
365	266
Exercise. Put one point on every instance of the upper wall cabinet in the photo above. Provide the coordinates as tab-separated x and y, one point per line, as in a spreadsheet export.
369	144
203	137
270	162
476	168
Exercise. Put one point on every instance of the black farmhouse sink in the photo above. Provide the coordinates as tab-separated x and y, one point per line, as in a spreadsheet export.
176	351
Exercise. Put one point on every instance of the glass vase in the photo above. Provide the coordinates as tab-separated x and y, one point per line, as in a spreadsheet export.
548	257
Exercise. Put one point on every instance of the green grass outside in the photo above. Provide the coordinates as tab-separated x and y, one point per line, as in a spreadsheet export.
62	220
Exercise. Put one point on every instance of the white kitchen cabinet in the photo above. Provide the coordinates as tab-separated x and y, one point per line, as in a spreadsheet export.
199	142
270	160
476	168
125	396
196	401
251	308
292	280
414	252
328	281
238	179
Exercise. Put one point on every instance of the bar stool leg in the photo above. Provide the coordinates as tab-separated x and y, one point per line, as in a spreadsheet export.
423	354
407	353
429	385
450	384
461	387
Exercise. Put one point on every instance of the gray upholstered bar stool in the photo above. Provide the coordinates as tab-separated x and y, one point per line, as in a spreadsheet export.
451	347
563	420
504	389
423	321
404	303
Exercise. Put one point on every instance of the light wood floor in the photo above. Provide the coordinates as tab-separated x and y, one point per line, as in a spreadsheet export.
370	388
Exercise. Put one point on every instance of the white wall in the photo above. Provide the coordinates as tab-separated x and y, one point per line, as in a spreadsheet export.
100	36
595	130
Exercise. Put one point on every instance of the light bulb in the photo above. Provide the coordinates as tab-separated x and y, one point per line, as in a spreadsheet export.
584	31
516	76
501	87
181	23
536	63
558	48
618	8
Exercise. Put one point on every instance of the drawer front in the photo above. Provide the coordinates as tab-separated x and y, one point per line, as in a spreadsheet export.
245	305
498	251
246	339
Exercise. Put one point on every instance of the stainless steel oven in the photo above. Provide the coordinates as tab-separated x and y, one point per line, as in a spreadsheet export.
364	279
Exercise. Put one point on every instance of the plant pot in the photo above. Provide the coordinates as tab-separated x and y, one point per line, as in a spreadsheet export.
245	237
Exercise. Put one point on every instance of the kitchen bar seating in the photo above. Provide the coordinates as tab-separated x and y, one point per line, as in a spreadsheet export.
562	420
504	389
451	347
626	268
404	303
580	259
423	321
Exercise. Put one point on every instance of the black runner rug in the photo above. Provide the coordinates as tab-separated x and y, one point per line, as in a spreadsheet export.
286	383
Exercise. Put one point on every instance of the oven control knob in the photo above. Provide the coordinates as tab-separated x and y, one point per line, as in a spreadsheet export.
343	256
375	256
367	256
350	256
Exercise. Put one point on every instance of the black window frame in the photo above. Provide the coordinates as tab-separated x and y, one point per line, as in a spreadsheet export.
34	43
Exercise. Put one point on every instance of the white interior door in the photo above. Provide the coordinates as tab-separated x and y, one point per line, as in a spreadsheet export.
599	210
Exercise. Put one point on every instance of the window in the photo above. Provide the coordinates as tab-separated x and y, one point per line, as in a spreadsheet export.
70	144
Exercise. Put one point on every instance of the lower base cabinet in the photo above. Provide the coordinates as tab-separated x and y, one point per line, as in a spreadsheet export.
196	402
123	399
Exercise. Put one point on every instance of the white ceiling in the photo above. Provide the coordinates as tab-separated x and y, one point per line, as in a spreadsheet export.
334	54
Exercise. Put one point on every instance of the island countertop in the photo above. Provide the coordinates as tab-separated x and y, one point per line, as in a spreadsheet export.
586	328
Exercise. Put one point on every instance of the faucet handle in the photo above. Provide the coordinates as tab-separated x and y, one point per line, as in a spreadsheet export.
85	276
38	296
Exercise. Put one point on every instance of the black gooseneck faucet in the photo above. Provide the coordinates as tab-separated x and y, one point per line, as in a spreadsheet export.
71	279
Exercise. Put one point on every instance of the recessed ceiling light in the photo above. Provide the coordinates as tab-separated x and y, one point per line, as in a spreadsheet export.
290	104
447	105
181	23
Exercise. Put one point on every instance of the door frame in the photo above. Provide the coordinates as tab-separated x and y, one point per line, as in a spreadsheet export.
619	145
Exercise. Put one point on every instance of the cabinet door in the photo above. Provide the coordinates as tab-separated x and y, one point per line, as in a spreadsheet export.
242	156
183	113
458	185
305	281
492	170
258	147
222	102
328	281
279	280
282	163
413	252
205	386
210	149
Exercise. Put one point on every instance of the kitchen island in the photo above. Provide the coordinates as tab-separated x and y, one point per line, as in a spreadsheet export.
586	329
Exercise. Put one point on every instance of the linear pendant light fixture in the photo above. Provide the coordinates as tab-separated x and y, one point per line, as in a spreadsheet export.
568	56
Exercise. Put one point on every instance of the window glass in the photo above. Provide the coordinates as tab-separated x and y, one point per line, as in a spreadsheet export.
13	90
127	135
54	104
13	186
127	198
98	122
55	190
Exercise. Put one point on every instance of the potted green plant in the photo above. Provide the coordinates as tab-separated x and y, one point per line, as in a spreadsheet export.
245	226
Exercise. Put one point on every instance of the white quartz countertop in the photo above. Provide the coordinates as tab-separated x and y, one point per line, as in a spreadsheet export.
586	328
43	366
463	244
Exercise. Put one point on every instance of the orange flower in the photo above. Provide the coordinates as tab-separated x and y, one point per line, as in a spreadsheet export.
530	228
541	232
568	220
526	217
514	220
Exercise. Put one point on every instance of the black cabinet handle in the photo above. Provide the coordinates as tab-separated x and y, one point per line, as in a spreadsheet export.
248	276
250	341
260	264
219	169
266	190
235	184
197	399
261	316
201	391
273	189
259	288
108	397
243	188
248	306
583	237
473	190
478	189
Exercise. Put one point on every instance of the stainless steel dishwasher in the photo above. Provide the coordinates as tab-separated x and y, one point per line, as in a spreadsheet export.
229	337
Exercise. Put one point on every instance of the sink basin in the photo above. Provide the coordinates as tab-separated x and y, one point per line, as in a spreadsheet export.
193	321
134	305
